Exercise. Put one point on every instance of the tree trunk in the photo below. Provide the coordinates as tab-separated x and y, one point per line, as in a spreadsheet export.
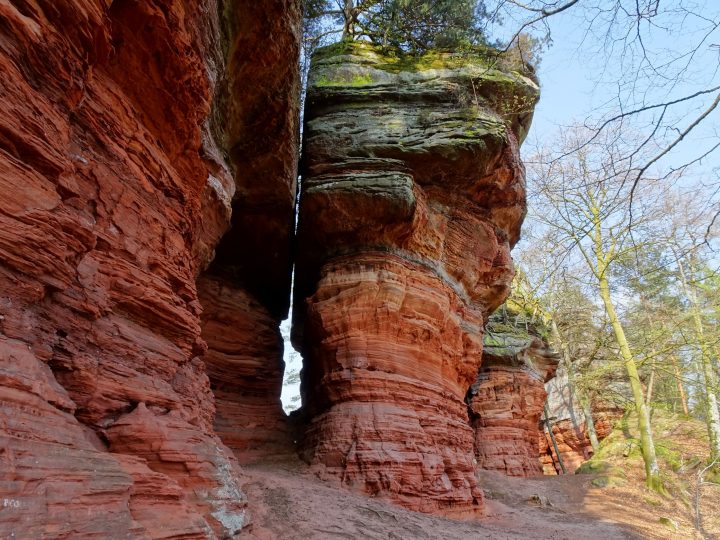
648	397
681	388
653	352
647	445
349	16
548	425
711	404
590	424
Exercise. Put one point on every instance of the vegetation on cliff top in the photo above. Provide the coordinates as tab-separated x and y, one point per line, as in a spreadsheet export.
413	26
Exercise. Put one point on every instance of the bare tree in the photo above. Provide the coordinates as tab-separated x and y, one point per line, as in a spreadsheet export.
584	198
658	68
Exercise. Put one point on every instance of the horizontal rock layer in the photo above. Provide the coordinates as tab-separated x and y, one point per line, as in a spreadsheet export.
245	367
412	196
573	443
507	400
115	122
506	407
393	348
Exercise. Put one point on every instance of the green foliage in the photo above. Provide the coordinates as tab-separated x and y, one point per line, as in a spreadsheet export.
421	25
356	80
669	523
411	26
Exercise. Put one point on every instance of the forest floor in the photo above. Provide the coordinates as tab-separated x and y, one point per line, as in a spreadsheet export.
288	502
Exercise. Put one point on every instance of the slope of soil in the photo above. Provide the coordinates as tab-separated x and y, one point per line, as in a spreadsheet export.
690	507
289	502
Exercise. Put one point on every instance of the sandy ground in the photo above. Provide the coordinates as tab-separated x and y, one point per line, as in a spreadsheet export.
287	502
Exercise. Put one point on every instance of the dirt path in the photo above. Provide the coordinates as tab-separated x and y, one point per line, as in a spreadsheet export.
288	503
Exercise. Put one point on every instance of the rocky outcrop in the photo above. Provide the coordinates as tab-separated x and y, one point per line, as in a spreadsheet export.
124	140
507	400
245	367
573	443
245	292
413	194
569	426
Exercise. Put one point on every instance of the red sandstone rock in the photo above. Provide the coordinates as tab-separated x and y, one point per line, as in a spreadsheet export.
115	118
506	406
259	100
507	400
573	443
245	367
246	291
50	465
410	204
569	427
392	428
192	463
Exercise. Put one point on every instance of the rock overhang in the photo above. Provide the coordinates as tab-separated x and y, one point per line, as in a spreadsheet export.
412	196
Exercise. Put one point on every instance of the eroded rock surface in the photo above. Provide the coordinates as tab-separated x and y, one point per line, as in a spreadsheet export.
569	425
413	194
245	367
120	157
507	400
245	293
573	443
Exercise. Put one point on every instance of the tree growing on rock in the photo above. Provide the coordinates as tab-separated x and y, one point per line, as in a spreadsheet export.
413	26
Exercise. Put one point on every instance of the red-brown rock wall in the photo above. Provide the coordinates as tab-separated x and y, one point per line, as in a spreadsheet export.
411	200
506	406
245	293
573	443
115	191
508	397
393	349
245	367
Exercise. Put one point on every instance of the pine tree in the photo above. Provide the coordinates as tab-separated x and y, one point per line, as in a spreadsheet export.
413	26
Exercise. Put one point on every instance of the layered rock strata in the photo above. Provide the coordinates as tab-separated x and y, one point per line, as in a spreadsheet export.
573	443
569	425
245	367
120	156
245	293
507	400
413	194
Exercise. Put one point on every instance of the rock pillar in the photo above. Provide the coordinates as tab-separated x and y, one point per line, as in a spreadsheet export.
412	197
507	400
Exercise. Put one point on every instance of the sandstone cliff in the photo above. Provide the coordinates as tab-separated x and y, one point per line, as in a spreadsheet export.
412	196
507	400
148	153
569	426
573	443
129	133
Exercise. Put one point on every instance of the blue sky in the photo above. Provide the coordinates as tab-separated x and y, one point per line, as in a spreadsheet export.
580	74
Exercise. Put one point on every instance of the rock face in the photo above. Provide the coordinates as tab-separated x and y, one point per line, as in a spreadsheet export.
413	194
124	139
245	292
244	364
507	400
569	426
573	443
